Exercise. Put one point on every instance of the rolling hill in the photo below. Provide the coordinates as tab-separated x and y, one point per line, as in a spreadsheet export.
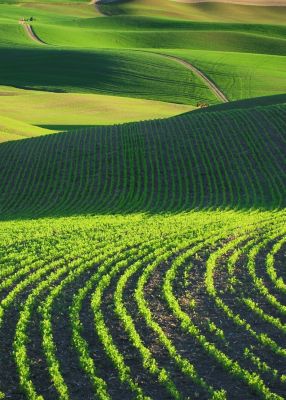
146	227
49	112
168	165
142	243
115	55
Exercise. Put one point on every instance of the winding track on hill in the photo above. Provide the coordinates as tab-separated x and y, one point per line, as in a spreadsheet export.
212	86
31	33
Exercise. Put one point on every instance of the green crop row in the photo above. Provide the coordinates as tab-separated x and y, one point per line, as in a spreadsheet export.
167	165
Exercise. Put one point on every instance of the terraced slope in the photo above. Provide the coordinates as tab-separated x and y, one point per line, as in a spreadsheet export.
166	165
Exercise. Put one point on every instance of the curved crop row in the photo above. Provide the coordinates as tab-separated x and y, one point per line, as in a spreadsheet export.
167	165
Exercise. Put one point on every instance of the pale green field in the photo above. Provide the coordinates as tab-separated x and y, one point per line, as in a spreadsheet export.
63	111
12	129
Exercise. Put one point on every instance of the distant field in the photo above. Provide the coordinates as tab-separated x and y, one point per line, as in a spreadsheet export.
121	73
66	111
223	11
128	74
243	2
241	76
210	11
207	37
95	54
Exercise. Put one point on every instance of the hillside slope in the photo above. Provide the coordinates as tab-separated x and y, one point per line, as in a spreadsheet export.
49	112
120	73
232	159
145	260
209	11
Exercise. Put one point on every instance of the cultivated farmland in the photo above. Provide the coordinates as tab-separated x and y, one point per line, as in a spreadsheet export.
142	201
176	164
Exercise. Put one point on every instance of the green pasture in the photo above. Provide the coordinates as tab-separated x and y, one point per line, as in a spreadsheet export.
87	30
208	39
87	53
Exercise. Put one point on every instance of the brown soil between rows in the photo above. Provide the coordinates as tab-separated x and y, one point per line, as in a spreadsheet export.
236	338
9	380
187	345
133	359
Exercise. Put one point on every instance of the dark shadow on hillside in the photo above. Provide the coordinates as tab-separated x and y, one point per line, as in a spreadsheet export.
113	8
111	72
145	23
229	159
60	70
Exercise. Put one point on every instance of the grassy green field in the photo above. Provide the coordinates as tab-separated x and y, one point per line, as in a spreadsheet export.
12	129
49	112
240	76
243	55
142	237
213	12
122	73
